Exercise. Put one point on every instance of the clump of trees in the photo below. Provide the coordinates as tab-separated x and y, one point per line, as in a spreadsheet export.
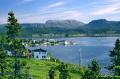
3	61
12	68
93	70
115	59
52	72
64	72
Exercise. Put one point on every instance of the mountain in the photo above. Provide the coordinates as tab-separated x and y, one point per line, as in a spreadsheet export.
69	24
103	23
31	25
103	26
100	26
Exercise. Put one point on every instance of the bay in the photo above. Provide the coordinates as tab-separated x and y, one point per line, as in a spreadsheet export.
86	49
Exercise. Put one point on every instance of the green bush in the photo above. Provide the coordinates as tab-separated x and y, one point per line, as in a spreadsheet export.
109	77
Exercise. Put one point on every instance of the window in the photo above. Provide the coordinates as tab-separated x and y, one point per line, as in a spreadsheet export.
37	56
43	56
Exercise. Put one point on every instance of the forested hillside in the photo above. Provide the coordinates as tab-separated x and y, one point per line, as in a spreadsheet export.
68	27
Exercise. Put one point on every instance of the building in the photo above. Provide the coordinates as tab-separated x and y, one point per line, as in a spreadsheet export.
34	52
39	53
9	53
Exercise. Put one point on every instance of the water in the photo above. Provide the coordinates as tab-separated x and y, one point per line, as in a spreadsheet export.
91	47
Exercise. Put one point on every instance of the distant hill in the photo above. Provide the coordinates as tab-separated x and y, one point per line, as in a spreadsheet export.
68	24
101	26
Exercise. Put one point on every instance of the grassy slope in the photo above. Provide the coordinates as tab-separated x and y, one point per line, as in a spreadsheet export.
39	69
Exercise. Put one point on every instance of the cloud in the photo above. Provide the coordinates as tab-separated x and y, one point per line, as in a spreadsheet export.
25	1
53	16
109	9
108	1
3	19
112	0
69	15
56	4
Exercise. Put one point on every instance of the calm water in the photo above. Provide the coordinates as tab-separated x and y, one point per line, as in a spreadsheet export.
91	47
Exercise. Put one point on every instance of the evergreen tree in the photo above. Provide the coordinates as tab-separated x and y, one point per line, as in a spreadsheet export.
94	66
51	73
93	71
13	31
64	72
117	70
115	58
14	43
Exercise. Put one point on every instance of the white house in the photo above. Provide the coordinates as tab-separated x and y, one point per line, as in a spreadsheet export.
39	53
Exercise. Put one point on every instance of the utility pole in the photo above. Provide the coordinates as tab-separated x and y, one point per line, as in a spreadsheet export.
80	57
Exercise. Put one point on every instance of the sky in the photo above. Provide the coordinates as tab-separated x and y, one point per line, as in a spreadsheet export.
39	11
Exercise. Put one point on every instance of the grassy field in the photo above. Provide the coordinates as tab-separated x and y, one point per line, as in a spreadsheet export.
39	69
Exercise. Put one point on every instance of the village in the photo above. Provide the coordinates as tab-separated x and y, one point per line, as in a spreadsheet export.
46	42
34	51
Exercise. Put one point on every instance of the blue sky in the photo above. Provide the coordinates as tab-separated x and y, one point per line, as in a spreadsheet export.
37	11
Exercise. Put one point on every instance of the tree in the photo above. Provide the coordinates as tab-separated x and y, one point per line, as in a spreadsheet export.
115	58
13	31
117	70
94	66
27	73
93	71
2	60
52	72
64	72
14	43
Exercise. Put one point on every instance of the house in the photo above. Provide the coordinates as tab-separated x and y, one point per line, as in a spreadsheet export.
24	54
39	53
34	52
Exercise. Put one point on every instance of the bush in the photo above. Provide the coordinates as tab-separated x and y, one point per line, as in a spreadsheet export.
109	77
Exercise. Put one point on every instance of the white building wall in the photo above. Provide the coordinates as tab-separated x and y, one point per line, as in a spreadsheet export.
9	53
39	55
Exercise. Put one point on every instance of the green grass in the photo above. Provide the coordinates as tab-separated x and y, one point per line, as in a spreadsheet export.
39	69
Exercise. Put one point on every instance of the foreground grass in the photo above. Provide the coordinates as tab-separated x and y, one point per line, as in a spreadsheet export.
39	69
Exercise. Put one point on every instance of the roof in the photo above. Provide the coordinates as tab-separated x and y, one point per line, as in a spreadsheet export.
38	49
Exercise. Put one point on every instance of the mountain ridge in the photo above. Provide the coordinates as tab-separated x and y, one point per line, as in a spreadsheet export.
100	26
